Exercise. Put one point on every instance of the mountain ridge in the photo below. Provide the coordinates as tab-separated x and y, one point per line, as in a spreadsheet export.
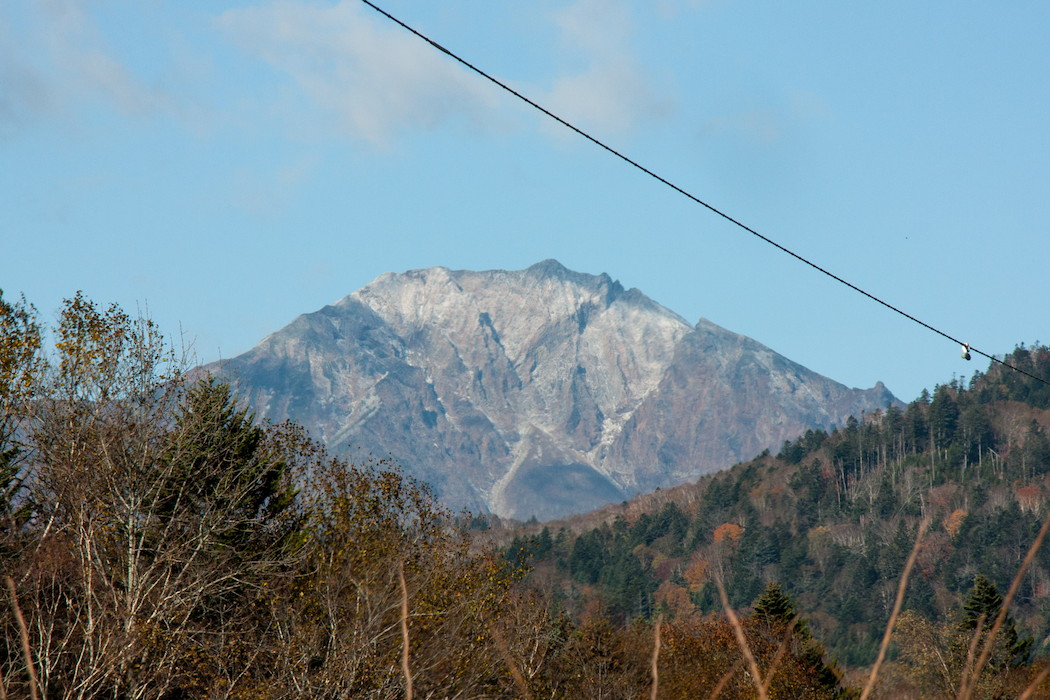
540	391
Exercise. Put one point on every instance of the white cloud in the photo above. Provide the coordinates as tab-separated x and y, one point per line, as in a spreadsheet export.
778	119
601	28
610	97
24	93
613	92
809	106
375	80
54	57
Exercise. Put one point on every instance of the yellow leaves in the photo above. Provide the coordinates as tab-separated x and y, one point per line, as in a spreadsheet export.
701	656
696	574
107	354
954	521
20	342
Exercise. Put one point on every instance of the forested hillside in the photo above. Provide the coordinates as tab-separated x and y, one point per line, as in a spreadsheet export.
833	517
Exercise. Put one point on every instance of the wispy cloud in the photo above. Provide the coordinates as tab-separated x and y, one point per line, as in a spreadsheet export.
346	68
612	92
772	120
53	57
24	94
375	80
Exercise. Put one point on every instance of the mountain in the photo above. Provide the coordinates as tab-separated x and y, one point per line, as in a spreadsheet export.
535	392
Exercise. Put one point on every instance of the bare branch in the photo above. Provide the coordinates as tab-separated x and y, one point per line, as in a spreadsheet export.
26	649
986	651
741	640
897	603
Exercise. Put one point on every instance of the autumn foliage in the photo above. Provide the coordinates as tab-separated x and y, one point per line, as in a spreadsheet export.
157	541
160	542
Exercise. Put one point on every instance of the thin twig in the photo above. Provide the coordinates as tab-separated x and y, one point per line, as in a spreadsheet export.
989	642
1034	684
717	690
25	637
971	652
656	659
741	640
781	651
901	588
405	668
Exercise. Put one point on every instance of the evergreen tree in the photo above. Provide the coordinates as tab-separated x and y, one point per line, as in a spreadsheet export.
916	428
224	464
775	610
886	502
773	606
982	604
944	415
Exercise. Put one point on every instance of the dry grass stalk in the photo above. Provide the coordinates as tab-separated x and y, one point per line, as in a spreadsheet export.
24	632
405	668
971	652
897	603
656	659
741	640
717	690
1034	684
967	687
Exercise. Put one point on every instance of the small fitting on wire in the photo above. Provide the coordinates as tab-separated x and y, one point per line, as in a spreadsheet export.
966	351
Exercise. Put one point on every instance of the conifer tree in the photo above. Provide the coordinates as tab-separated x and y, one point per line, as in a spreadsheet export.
225	464
982	605
773	606
777	610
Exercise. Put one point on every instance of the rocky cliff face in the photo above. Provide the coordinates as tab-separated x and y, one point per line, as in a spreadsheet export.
536	392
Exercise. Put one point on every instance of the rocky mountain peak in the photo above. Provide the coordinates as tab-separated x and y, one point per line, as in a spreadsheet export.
541	391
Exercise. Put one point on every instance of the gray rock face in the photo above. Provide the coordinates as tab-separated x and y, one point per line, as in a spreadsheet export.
536	392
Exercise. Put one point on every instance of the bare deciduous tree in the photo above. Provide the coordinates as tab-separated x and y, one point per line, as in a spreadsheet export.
158	509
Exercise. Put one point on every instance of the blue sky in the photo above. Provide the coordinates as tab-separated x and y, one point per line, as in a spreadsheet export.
228	166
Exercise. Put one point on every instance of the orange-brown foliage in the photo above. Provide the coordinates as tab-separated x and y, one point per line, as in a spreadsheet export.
954	521
728	531
696	574
1030	498
675	599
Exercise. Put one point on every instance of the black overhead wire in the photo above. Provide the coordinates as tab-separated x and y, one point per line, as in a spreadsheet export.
693	197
